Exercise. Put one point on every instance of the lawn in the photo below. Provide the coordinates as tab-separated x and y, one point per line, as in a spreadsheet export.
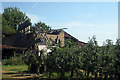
19	68
19	72
15	72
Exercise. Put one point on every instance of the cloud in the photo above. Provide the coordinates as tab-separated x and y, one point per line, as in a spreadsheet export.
35	18
84	25
88	29
33	7
71	25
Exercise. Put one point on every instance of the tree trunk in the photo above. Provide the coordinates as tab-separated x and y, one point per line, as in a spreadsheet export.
62	74
88	74
85	73
72	73
100	74
29	68
41	69
38	70
95	75
50	75
106	76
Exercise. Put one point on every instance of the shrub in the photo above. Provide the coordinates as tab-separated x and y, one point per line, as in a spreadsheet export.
14	60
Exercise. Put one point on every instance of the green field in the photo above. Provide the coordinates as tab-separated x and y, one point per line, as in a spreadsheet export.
14	67
10	71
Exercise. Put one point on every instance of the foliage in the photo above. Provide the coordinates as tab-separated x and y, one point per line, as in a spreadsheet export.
101	61
32	59
70	43
14	16
6	29
14	60
117	59
90	57
95	61
41	26
63	60
107	58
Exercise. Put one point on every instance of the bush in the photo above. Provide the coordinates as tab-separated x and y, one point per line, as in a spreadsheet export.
14	61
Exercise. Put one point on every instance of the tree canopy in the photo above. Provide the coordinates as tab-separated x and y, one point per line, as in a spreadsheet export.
41	26
14	16
6	29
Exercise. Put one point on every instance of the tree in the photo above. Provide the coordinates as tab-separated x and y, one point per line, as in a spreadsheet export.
117	59
90	57
61	60
14	16
42	26
34	62
6	29
107	58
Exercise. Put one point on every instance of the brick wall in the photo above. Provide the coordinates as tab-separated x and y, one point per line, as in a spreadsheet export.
60	36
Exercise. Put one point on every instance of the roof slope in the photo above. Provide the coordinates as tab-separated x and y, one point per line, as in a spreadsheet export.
74	39
28	40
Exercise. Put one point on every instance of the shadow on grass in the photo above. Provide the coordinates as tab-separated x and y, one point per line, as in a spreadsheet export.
11	73
37	78
21	75
45	76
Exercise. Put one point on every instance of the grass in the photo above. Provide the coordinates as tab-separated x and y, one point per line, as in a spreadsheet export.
11	72
14	71
14	67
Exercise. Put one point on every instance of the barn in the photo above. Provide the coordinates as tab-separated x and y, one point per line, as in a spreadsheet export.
24	39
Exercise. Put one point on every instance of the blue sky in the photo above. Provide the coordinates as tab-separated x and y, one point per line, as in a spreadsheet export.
83	19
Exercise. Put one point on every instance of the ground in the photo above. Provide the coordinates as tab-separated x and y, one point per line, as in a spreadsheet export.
16	72
19	72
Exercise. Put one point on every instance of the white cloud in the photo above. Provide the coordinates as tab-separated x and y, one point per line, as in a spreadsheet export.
71	25
36	18
83	25
33	7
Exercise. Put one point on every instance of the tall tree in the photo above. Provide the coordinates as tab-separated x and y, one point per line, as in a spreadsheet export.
107	58
65	59
117	59
6	29
34	61
89	58
42	26
14	16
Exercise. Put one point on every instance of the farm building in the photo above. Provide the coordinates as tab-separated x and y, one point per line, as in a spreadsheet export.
24	39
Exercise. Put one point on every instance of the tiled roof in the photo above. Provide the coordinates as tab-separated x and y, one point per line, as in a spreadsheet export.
76	40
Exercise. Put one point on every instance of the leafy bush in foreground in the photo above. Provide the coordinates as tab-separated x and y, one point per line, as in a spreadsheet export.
94	61
13	61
